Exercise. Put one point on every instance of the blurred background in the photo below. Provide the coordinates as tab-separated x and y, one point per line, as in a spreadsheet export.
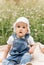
10	10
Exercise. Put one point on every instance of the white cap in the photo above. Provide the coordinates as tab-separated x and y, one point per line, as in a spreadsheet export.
24	20
41	46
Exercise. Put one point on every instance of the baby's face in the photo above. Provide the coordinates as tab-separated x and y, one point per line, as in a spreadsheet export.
21	29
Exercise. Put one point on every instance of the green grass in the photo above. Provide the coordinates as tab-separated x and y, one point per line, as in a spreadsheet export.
11	12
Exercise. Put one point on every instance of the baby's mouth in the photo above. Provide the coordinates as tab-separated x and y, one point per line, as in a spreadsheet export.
20	32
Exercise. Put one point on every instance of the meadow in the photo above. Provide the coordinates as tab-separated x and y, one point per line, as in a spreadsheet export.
11	10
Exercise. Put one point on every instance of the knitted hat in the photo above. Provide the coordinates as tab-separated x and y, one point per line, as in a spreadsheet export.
24	20
41	45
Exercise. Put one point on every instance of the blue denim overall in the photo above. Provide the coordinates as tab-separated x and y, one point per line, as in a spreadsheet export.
19	49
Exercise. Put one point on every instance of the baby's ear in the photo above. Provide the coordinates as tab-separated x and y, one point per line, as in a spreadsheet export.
42	50
27	30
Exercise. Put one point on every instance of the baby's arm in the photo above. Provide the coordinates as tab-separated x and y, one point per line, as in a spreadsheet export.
31	44
5	52
9	44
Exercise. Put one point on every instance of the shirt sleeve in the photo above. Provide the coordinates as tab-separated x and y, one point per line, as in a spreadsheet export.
10	40
31	40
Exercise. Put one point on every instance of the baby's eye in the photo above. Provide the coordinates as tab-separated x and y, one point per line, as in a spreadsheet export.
18	26
23	26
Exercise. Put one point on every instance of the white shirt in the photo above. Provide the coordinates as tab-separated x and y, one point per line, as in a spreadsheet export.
11	39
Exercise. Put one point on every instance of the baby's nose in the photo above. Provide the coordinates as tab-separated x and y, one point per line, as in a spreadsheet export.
20	28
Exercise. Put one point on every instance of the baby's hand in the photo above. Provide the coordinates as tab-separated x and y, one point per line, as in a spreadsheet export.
31	50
